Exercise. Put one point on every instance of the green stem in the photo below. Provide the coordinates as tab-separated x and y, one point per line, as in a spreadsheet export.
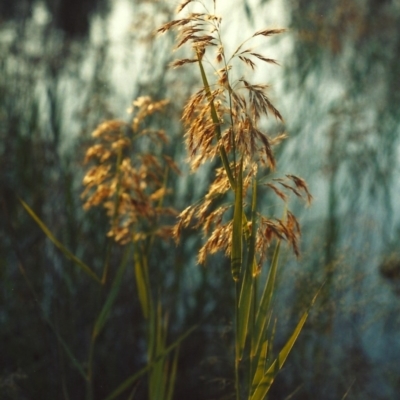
221	149
237	344
251	263
106	263
89	382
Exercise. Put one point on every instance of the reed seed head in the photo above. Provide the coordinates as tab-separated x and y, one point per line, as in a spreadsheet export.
223	119
127	182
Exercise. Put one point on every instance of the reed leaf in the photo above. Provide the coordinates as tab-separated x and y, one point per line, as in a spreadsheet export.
252	239
59	245
64	345
172	376
237	230
247	288
132	379
265	383
157	346
142	281
261	364
101	320
244	307
265	302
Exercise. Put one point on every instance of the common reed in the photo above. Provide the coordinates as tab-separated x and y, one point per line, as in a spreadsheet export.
128	177
224	119
130	181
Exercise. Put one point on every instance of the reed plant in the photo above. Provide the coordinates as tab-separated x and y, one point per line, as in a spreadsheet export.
128	175
223	119
129	179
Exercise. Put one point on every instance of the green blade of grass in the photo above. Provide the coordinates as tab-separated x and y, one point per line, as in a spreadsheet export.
158	379
245	302
132	379
253	233
172	376
237	231
64	345
246	294
265	383
59	245
261	363
265	302
101	320
68	351
142	282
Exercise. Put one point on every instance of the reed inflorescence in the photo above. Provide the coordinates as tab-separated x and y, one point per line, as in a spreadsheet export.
224	119
127	181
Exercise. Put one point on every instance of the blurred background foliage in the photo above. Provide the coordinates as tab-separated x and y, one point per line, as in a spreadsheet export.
67	66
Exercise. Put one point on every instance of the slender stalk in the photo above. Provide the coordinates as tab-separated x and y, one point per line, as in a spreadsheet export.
237	347
251	263
106	263
216	121
89	381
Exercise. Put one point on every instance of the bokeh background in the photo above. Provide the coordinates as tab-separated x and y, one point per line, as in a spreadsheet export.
66	66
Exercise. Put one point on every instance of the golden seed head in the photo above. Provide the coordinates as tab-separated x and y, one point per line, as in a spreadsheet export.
127	182
223	119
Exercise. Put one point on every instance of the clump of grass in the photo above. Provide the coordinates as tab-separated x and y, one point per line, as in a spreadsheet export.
130	182
224	119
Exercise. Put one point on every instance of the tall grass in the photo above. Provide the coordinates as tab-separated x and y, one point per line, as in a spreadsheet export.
131	183
128	177
224	119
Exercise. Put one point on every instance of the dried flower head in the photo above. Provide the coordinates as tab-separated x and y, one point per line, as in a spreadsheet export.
223	119
128	182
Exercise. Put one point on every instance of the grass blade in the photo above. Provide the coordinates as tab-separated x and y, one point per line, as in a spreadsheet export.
261	363
246	294
128	382
264	385
63	344
265	301
245	302
141	281
237	231
266	382
158	377
101	320
59	245
172	376
252	239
